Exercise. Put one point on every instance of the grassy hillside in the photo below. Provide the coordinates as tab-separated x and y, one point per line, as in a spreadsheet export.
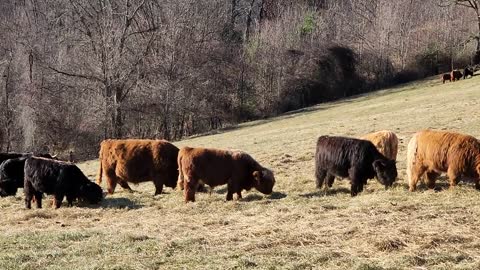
297	227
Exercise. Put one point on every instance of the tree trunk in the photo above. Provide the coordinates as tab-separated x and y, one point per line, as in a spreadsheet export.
117	113
8	115
476	59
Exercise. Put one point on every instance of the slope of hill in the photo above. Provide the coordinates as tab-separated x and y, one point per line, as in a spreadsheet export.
297	227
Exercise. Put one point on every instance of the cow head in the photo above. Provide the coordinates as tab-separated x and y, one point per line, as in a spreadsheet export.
91	192
264	180
386	171
8	188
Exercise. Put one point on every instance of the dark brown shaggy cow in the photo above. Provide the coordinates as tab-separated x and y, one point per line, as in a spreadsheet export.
138	161
215	167
60	179
431	153
446	77
356	159
467	72
456	75
11	171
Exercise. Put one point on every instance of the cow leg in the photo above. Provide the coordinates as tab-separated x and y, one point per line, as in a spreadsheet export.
124	185
431	178
329	180
415	173
357	182
239	195
38	199
58	197
233	187
452	176
111	179
158	188
320	178
70	199
189	188
29	192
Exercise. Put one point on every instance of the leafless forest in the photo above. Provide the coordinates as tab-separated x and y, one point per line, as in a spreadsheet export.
77	71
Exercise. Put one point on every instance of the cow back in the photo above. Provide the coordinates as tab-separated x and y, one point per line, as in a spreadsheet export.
140	160
338	154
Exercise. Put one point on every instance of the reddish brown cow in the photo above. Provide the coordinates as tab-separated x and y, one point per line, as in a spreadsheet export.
138	161
215	167
434	152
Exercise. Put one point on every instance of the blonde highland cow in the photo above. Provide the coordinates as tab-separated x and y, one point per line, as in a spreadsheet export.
432	153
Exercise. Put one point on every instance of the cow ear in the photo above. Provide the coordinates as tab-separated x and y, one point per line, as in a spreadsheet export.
257	175
378	164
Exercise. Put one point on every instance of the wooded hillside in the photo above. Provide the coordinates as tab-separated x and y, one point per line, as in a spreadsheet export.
75	72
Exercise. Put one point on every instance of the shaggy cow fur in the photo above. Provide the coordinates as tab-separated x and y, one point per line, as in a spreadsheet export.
138	161
467	72
11	172
385	141
356	159
11	176
431	153
60	179
446	77
215	167
456	75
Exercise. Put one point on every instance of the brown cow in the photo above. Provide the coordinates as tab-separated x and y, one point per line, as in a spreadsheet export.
456	75
446	77
138	161
218	167
434	152
385	141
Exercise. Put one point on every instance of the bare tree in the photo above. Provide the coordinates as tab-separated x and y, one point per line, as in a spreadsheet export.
475	6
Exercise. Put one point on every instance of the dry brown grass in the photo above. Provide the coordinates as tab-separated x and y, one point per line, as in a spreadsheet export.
297	227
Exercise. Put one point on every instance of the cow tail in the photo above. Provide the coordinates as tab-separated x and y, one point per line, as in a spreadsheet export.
411	156
100	170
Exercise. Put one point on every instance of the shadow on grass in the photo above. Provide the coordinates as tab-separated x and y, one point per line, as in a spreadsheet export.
259	197
115	203
329	192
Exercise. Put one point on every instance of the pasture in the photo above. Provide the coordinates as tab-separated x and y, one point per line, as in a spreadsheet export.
296	227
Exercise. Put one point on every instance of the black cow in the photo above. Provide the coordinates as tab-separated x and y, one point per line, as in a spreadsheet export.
467	72
60	179
356	159
6	156
11	171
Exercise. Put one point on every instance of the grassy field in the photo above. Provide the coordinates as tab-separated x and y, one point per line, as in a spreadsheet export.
297	227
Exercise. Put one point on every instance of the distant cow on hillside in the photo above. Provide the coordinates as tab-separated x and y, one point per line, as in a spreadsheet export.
446	77
456	75
60	179
385	141
138	161
467	72
356	159
215	167
431	153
